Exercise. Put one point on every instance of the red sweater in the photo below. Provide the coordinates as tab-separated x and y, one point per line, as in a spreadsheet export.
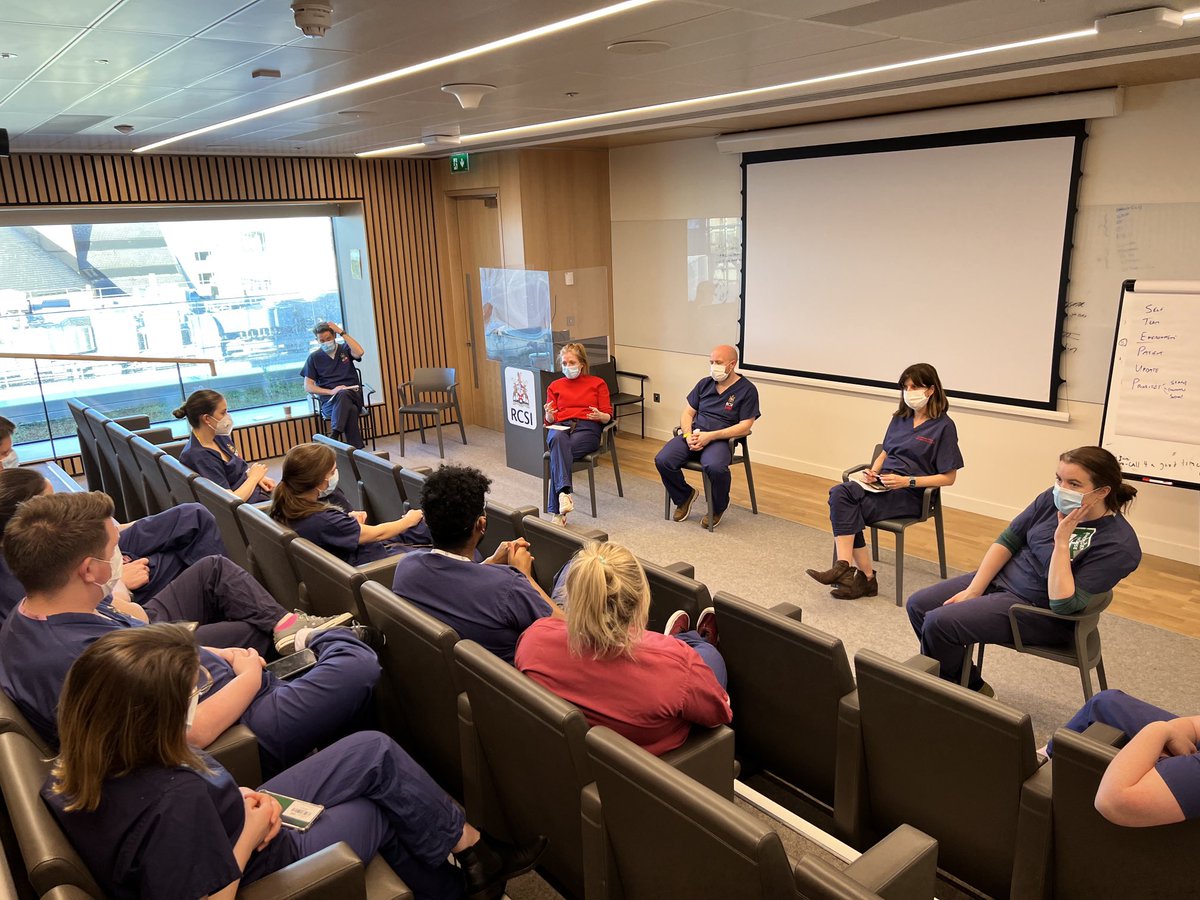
573	398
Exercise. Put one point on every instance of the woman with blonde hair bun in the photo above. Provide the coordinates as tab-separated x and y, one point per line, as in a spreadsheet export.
647	686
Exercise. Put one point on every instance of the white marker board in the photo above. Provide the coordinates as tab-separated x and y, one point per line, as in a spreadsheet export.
1152	406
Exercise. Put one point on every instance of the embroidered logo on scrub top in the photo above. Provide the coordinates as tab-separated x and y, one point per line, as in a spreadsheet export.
927	440
1081	539
729	403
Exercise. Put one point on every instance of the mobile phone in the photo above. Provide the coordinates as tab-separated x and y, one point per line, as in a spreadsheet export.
297	814
292	665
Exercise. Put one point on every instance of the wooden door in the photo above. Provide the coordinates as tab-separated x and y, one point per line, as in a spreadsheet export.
479	248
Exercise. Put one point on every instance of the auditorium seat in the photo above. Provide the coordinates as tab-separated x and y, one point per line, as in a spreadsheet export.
179	478
420	683
158	492
334	873
1087	855
553	546
412	482
381	486
133	485
949	761
672	589
651	832
87	445
525	765
331	586
349	482
503	524
224	506
267	542
789	736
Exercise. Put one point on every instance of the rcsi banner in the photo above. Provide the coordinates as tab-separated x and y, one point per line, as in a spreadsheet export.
519	385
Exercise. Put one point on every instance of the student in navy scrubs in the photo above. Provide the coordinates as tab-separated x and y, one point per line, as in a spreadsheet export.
491	602
723	405
1071	543
63	549
920	450
8	455
229	607
304	500
210	450
153	819
1155	778
329	373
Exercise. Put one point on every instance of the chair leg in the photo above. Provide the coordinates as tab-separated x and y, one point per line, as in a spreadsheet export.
462	430
421	426
1085	676
441	448
940	527
712	526
612	449
592	485
750	485
545	484
1100	674
875	544
666	504
900	569
402	434
965	678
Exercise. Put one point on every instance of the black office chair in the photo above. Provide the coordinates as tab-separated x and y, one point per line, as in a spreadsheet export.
625	403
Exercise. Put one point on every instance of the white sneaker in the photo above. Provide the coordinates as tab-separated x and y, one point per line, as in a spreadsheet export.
559	519
566	503
289	639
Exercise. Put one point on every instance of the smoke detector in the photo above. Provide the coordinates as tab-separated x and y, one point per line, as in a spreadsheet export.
313	17
469	95
124	129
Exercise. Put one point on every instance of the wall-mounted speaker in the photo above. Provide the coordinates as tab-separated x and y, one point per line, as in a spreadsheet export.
3	142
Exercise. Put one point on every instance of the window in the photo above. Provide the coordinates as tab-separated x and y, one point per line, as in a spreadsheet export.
136	289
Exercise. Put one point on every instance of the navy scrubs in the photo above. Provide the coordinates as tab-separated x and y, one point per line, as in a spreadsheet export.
338	532
229	471
341	409
172	540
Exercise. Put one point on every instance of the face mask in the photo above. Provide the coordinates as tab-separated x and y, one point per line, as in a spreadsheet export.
329	346
915	399
1067	501
191	713
333	482
224	425
10	460
572	371
717	372
117	565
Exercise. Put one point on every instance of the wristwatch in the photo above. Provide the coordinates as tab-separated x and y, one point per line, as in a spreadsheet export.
912	482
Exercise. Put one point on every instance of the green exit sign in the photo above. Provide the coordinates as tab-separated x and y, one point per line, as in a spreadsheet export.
460	162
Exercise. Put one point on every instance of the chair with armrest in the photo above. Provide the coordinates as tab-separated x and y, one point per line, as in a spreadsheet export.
348	478
413	483
334	873
110	473
179	478
158	492
670	590
919	750
1088	856
790	737
224	505
608	445
736	457
625	403
366	415
525	764
504	524
553	546
439	388
87	444
931	507
133	485
267	542
381	486
422	684
1083	651
332	586
650	831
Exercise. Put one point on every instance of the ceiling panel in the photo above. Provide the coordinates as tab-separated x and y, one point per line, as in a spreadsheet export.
191	61
124	51
47	97
53	12
33	45
174	17
291	62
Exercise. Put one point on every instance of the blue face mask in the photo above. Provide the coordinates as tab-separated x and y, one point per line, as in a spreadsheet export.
1067	501
328	346
572	372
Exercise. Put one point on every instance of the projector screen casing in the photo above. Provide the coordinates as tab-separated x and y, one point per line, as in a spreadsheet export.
860	259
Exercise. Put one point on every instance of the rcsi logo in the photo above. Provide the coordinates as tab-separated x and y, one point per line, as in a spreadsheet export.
517	383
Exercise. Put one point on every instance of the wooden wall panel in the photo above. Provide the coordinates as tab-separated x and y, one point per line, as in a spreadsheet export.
398	205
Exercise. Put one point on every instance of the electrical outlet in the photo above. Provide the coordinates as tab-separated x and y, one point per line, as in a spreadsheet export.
657	398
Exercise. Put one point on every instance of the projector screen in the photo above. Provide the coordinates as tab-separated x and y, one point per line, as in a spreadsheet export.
861	259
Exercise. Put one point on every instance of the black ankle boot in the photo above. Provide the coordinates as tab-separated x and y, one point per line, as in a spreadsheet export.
830	576
489	863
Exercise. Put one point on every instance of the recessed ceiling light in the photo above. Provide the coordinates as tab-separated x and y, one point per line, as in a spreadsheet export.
100	62
471	52
638	48
6	55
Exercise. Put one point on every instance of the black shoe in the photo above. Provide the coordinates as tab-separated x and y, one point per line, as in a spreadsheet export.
372	637
830	576
489	863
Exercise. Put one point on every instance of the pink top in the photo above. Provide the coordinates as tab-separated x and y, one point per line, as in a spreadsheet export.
652	699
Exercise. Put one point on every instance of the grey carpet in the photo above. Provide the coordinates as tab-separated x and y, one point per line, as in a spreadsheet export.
762	559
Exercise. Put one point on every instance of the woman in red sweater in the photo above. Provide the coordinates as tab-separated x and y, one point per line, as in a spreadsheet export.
577	408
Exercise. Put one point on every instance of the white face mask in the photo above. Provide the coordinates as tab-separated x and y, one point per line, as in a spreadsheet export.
224	425
717	372
191	713
329	346
915	399
572	371
116	564
333	483
9	460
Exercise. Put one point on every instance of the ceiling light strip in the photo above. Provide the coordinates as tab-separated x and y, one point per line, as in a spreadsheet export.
512	40
677	105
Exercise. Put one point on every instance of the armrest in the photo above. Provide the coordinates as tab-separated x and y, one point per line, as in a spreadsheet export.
174	448
846	473
382	454
923	664
1023	609
626	372
133	423
420	470
687	570
850	774
596	856
592	534
1034	843
482	806
155	435
236	748
903	866
334	872
382	571
927	501
1104	734
789	610
707	756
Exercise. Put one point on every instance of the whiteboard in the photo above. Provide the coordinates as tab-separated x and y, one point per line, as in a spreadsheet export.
1152	404
1112	245
951	249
